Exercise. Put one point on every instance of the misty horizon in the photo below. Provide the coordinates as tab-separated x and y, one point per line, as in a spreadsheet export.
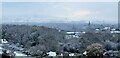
68	12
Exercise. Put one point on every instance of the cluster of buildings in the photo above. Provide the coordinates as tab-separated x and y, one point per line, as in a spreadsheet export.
97	30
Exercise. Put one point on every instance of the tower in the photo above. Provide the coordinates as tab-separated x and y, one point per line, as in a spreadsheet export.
89	23
89	27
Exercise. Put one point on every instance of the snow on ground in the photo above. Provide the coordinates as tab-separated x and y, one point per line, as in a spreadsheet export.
85	53
19	54
115	32
72	54
3	41
15	47
51	53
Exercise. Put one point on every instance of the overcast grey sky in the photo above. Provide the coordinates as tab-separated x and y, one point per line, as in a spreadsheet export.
59	0
60	11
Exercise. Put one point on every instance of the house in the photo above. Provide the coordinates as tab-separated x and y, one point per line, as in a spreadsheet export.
72	35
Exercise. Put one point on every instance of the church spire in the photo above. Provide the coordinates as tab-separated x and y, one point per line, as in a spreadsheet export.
89	23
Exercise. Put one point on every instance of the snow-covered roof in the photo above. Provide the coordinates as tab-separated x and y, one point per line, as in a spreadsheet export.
83	32
73	32
70	32
106	28
97	29
115	31
72	54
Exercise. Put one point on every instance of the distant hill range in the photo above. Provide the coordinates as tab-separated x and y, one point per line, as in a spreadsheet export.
71	26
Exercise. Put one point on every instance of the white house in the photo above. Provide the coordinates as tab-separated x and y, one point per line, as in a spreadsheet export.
72	35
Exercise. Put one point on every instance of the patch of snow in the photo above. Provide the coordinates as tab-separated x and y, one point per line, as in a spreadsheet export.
19	54
0	48
8	51
106	28
73	32
3	41
70	32
1	52
51	53
72	54
61	54
85	53
115	31
83	32
59	30
97	29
